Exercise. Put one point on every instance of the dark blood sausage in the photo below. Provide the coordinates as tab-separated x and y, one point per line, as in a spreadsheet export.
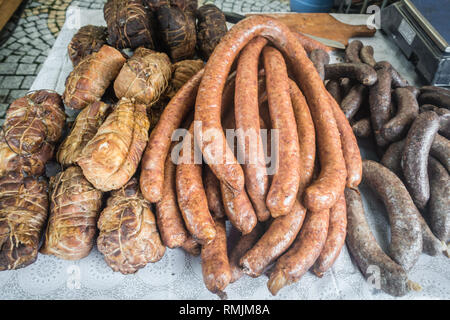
283	190
440	149
392	160
319	58
436	98
215	265
238	209
274	242
213	194
380	103
362	128
245	243
152	172
434	89
407	110
334	89
352	156
346	84
303	253
353	100
337	230
191	194
444	118
361	72
326	190
406	233
397	80
393	156
306	137
366	55
415	156
367	253
439	203
168	216
247	122
352	51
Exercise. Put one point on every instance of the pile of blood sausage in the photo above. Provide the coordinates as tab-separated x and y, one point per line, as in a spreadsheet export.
289	188
409	128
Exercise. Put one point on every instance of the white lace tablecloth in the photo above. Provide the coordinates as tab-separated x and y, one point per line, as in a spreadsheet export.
178	275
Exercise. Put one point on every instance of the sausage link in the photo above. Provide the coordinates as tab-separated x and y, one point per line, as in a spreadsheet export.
285	183
319	58
274	242
367	253
415	156
213	194
439	206
362	128
168	216
352	51
191	194
393	156
337	230
353	100
306	137
361	72
352	156
245	243
380	103
406	234
334	89
238	209
440	149
444	118
152	172
309	44
248	126
436	98
215	265
407	110
326	190
303	253
366	55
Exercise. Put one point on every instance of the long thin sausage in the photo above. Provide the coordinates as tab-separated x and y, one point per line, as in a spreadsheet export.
215	265
352	155
152	173
274	242
246	112
213	194
285	183
191	194
304	252
168	216
326	190
337	230
306	136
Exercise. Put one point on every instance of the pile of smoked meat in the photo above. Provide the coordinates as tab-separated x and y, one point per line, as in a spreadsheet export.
120	162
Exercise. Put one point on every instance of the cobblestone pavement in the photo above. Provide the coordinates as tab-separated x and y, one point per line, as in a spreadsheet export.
22	55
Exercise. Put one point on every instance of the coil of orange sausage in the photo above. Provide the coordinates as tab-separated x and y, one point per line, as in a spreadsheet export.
303	253
168	216
283	190
246	110
152	172
306	136
274	242
215	265
337	230
324	192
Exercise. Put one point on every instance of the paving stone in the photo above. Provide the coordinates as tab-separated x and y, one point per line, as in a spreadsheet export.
34	52
4	93
24	40
26	68
13	58
16	94
3	108
41	59
8	68
27	59
14	46
11	82
27	82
